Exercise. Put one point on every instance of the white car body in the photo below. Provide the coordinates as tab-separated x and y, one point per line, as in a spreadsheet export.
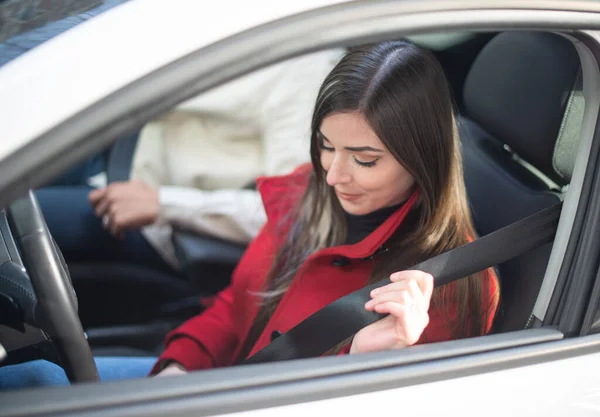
568	387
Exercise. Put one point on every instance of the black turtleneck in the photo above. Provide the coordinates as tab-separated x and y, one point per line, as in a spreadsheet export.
360	226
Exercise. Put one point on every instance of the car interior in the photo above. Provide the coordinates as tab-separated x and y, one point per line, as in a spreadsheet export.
519	109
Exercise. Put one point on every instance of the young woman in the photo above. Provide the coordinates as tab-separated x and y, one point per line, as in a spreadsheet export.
384	191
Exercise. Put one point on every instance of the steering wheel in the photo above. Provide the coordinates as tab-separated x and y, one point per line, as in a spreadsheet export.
56	309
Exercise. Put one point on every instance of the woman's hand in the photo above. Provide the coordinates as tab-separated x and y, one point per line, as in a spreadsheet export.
406	300
172	369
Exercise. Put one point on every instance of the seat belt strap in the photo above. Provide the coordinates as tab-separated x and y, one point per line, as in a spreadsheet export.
344	317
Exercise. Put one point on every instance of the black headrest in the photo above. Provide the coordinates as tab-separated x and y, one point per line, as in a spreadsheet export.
519	89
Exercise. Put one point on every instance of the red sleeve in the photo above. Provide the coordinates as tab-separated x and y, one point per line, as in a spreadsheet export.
205	341
210	339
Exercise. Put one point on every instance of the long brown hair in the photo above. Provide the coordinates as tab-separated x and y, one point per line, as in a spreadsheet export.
402	92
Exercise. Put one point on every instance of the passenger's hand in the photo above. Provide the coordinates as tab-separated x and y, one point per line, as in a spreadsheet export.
125	206
171	370
406	300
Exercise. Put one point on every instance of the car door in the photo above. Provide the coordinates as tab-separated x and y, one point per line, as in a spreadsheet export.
547	370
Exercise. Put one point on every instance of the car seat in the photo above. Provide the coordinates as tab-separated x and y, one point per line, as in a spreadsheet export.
519	132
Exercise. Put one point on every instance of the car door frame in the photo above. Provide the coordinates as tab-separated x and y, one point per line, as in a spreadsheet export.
307	381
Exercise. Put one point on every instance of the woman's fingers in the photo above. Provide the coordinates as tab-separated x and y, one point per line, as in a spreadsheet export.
390	307
406	302
420	299
406	291
409	323
409	280
403	297
395	287
423	279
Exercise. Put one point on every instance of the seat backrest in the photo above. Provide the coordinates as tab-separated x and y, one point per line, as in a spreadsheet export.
523	111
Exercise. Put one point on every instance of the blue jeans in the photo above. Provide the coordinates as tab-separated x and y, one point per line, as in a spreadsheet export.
42	373
81	237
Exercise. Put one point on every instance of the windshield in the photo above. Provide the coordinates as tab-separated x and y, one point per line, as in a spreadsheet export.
26	24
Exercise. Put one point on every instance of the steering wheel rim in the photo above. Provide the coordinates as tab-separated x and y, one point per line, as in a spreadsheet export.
55	294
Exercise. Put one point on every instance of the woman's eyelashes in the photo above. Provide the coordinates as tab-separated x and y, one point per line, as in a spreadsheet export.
366	164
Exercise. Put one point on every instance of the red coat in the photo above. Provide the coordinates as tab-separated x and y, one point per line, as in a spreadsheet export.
212	339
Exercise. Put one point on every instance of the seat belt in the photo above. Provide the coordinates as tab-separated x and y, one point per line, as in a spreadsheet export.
344	317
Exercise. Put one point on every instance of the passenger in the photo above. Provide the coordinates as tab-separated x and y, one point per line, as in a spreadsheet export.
384	191
192	169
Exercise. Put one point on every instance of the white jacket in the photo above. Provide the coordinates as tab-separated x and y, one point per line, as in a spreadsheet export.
201	155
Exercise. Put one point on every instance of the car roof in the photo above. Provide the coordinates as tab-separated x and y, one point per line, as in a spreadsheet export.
66	74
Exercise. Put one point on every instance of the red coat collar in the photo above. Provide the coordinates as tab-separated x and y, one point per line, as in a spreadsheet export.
281	194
